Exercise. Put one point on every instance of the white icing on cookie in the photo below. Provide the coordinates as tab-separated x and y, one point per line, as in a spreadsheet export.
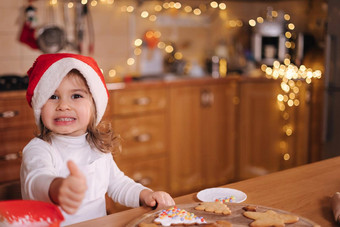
175	216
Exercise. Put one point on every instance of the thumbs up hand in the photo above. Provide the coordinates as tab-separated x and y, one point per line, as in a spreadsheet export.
69	192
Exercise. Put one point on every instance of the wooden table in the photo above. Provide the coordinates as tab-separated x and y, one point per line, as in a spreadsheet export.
304	190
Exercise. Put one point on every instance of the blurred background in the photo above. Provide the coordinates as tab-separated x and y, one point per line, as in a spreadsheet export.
265	73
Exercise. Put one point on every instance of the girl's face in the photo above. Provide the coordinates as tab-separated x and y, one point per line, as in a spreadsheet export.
69	110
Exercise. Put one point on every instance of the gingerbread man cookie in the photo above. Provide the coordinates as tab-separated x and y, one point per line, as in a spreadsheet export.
270	218
215	207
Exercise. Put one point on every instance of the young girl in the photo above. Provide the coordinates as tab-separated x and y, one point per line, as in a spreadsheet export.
70	163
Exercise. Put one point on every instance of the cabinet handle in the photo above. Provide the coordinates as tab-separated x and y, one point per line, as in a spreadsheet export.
142	138
9	114
138	177
11	156
146	181
143	101
207	98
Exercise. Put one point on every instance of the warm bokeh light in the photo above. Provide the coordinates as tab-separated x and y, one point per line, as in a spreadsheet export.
214	4
138	42
274	13
152	18
222	6
197	12
112	73
144	14
286	156
260	20
137	51
252	22
130	9
158	8
177	5
291	26
288	35
188	9
286	17
178	55
169	49
161	45
130	61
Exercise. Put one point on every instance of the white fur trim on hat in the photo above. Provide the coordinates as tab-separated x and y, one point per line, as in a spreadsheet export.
52	78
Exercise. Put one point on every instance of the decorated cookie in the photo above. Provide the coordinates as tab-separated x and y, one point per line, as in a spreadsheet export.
270	218
215	207
175	216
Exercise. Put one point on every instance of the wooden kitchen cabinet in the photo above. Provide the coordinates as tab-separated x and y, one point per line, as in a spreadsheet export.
139	116
185	135
17	128
264	146
202	136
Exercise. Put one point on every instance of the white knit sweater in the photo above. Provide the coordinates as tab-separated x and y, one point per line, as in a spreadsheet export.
42	162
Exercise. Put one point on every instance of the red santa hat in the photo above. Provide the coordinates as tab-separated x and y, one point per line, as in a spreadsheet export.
49	70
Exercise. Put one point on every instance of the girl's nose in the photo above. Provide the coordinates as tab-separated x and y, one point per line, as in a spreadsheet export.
63	105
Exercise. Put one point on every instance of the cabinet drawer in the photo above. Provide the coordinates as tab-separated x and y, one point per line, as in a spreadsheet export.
14	140
142	135
137	101
10	170
15	112
151	173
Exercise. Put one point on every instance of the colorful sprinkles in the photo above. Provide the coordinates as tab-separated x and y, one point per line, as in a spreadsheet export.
175	215
229	199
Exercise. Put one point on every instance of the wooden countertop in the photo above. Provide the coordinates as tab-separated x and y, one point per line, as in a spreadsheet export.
304	190
184	80
161	82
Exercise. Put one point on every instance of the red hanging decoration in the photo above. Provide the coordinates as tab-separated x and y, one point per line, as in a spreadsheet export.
27	34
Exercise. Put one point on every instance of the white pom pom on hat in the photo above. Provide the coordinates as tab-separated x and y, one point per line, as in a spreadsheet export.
49	70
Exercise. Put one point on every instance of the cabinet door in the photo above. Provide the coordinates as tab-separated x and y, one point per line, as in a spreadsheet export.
185	136
202	136
270	139
217	121
260	129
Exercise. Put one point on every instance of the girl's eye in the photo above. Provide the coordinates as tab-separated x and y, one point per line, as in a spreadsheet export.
76	96
54	97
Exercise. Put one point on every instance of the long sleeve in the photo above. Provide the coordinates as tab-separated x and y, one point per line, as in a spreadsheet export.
37	170
123	189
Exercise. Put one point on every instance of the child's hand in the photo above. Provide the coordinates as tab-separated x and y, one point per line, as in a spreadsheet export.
157	199
69	192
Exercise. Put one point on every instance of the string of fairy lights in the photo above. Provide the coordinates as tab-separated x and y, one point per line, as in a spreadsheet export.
290	75
153	38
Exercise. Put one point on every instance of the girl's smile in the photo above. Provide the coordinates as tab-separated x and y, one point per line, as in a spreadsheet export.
64	120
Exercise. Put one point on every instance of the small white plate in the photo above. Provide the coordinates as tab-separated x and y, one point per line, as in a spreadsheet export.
211	194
